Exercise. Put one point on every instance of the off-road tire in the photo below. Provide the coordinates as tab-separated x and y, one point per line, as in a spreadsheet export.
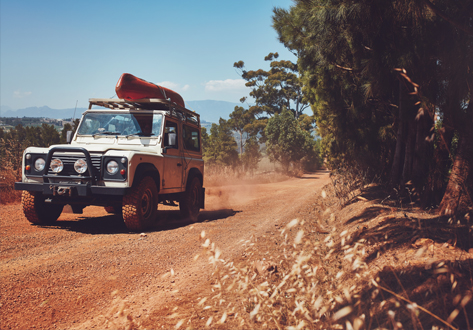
140	206
189	205
37	211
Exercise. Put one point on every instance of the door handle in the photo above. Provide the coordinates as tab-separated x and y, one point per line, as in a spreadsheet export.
179	164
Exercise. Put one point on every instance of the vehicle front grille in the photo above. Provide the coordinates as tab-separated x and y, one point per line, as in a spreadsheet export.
69	161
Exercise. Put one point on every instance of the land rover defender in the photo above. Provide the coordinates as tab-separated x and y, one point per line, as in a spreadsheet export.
126	155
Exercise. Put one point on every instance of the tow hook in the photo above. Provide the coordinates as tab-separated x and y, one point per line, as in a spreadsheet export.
61	191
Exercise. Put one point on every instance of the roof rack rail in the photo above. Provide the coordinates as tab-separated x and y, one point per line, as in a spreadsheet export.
148	104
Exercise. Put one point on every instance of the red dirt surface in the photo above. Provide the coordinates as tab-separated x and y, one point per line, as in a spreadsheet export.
87	270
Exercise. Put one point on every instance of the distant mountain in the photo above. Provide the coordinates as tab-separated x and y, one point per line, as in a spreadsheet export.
209	110
206	124
3	109
45	112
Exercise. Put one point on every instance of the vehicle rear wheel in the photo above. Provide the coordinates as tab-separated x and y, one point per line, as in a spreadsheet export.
189	204
37	211
140	205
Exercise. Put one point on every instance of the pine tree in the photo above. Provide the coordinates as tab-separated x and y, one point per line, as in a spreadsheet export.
378	74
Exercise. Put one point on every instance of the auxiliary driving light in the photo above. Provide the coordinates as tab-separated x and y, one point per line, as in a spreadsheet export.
57	165
80	166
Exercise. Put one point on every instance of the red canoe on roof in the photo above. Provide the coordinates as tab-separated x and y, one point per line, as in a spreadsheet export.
130	87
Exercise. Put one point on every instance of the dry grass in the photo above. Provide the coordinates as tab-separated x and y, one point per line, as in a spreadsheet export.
8	177
363	265
378	271
348	181
119	316
9	174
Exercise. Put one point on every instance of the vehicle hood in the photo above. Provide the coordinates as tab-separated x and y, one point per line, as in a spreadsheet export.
104	148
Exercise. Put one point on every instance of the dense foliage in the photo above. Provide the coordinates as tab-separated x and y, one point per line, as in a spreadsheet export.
13	141
274	125
378	75
220	147
273	90
286	141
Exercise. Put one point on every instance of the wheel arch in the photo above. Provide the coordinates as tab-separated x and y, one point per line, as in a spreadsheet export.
146	169
194	172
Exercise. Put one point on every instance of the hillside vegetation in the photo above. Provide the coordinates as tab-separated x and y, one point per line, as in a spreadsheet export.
352	259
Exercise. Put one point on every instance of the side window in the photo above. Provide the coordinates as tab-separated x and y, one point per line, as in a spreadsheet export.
170	135
157	120
191	138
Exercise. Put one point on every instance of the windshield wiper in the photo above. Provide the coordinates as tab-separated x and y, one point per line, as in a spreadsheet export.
105	133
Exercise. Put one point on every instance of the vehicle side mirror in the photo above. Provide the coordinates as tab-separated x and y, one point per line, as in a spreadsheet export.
68	136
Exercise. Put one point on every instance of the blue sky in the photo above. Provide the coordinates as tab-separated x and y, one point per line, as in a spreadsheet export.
55	53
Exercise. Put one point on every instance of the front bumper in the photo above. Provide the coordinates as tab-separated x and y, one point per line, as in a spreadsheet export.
71	190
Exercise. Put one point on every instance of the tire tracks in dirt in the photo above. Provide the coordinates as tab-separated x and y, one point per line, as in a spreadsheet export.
63	276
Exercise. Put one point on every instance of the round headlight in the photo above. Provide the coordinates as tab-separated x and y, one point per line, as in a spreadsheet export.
80	166
39	164
112	167
57	165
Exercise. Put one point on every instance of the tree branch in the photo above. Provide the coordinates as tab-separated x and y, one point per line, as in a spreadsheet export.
438	12
343	68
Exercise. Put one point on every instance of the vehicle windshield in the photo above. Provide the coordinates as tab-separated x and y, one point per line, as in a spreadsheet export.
128	124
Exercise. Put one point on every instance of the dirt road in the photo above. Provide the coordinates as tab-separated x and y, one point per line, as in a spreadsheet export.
67	276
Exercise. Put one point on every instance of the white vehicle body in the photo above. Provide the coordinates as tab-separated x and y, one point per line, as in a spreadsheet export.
115	149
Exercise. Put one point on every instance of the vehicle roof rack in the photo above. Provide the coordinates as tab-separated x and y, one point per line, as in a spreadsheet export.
148	104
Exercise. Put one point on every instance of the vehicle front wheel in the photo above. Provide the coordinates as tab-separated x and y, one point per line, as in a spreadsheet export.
37	211
140	206
189	204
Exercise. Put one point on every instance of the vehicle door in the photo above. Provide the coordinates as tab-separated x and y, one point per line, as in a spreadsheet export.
172	177
192	148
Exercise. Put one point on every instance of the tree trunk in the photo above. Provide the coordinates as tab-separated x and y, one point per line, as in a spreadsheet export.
423	149
457	197
241	143
409	154
398	159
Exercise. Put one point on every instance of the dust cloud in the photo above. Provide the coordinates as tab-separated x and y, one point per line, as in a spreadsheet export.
229	192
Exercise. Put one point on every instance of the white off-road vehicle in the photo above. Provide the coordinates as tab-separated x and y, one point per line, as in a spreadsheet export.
125	155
